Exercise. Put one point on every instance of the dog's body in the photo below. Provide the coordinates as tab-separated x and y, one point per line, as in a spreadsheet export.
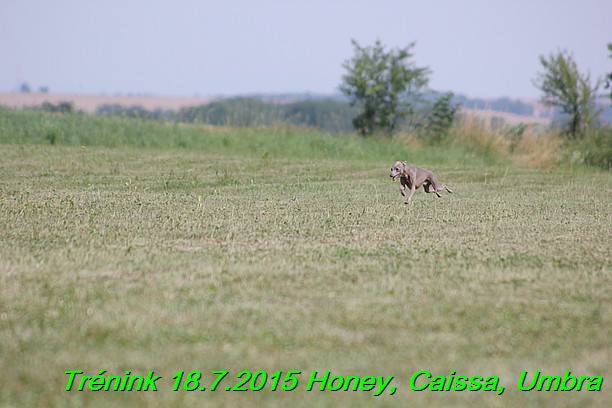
414	177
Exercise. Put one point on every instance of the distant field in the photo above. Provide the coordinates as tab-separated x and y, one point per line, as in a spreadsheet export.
243	249
509	119
89	103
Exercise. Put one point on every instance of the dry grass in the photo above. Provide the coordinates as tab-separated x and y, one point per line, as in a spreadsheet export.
168	260
541	150
524	144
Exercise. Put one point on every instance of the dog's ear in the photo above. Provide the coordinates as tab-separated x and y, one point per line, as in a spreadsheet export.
404	163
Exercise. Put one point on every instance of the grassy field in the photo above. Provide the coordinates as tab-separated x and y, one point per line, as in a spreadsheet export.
138	246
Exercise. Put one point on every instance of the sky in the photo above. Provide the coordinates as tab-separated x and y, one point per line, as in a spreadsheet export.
479	48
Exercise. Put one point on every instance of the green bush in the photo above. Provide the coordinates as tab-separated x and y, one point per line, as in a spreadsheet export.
441	118
594	149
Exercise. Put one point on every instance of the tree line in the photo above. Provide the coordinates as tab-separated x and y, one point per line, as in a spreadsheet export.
327	114
386	85
387	93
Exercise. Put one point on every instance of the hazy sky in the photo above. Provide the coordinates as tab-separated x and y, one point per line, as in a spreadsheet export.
482	48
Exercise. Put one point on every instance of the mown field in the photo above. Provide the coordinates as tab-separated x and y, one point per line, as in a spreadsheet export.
139	246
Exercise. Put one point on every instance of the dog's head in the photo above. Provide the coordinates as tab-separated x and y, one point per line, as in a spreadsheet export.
397	169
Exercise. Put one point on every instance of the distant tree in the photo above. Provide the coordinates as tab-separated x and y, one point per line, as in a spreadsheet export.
609	77
327	114
441	118
238	111
61	107
566	88
25	88
384	86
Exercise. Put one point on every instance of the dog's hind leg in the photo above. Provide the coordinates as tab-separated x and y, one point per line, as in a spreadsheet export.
439	186
430	189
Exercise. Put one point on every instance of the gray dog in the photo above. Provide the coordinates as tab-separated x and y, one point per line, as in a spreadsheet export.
414	177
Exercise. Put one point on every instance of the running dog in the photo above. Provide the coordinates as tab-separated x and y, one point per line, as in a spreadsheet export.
414	177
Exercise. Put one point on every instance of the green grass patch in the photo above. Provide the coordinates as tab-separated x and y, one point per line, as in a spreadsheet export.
289	250
37	127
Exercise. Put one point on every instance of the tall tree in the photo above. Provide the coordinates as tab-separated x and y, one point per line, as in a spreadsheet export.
566	88
383	85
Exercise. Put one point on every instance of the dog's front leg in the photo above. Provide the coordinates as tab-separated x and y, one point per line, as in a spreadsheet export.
412	190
